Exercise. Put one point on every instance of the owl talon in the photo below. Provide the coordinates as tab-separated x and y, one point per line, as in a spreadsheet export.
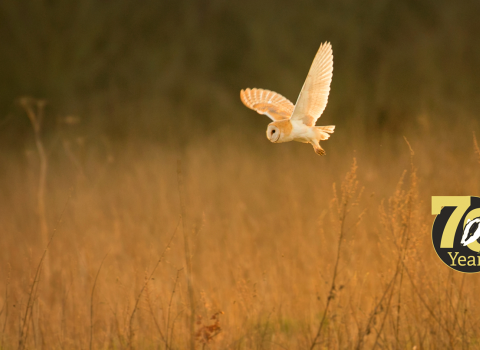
320	151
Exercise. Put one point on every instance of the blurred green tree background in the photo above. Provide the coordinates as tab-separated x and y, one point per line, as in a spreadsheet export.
136	67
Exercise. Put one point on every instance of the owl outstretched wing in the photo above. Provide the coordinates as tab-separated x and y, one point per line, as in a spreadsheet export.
314	95
267	102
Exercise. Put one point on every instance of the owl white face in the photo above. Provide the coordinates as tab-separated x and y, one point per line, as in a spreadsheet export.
273	133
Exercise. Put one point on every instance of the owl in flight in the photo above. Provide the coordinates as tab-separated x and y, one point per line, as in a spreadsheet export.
297	123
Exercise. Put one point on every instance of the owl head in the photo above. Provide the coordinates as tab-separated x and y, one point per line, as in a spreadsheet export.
277	130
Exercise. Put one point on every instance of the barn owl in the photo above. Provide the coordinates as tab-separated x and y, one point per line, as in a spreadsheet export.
297	123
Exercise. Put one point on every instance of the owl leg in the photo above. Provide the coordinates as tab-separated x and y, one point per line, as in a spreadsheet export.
318	149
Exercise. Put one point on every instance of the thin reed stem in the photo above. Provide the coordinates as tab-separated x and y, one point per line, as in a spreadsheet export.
6	306
91	299
170	307
188	258
34	288
152	312
35	111
130	323
349	189
331	292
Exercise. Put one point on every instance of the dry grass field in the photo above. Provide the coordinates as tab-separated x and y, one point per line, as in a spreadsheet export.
149	211
284	249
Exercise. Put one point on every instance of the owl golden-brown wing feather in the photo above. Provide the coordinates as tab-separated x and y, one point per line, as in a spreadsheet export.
267	102
314	95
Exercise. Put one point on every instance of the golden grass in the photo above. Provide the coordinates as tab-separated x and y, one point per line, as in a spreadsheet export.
273	246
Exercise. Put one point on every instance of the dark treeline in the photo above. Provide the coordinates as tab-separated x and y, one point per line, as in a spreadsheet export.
128	66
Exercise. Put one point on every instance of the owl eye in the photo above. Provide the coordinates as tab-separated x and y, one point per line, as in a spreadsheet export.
273	132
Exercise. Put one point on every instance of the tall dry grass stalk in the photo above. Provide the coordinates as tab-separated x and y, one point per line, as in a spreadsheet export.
349	198
91	300
131	332
188	254
26	320
35	109
397	220
5	308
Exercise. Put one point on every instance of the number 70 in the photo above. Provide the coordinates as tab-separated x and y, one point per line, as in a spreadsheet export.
462	203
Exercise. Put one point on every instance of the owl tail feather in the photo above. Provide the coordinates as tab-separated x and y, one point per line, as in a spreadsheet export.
324	131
